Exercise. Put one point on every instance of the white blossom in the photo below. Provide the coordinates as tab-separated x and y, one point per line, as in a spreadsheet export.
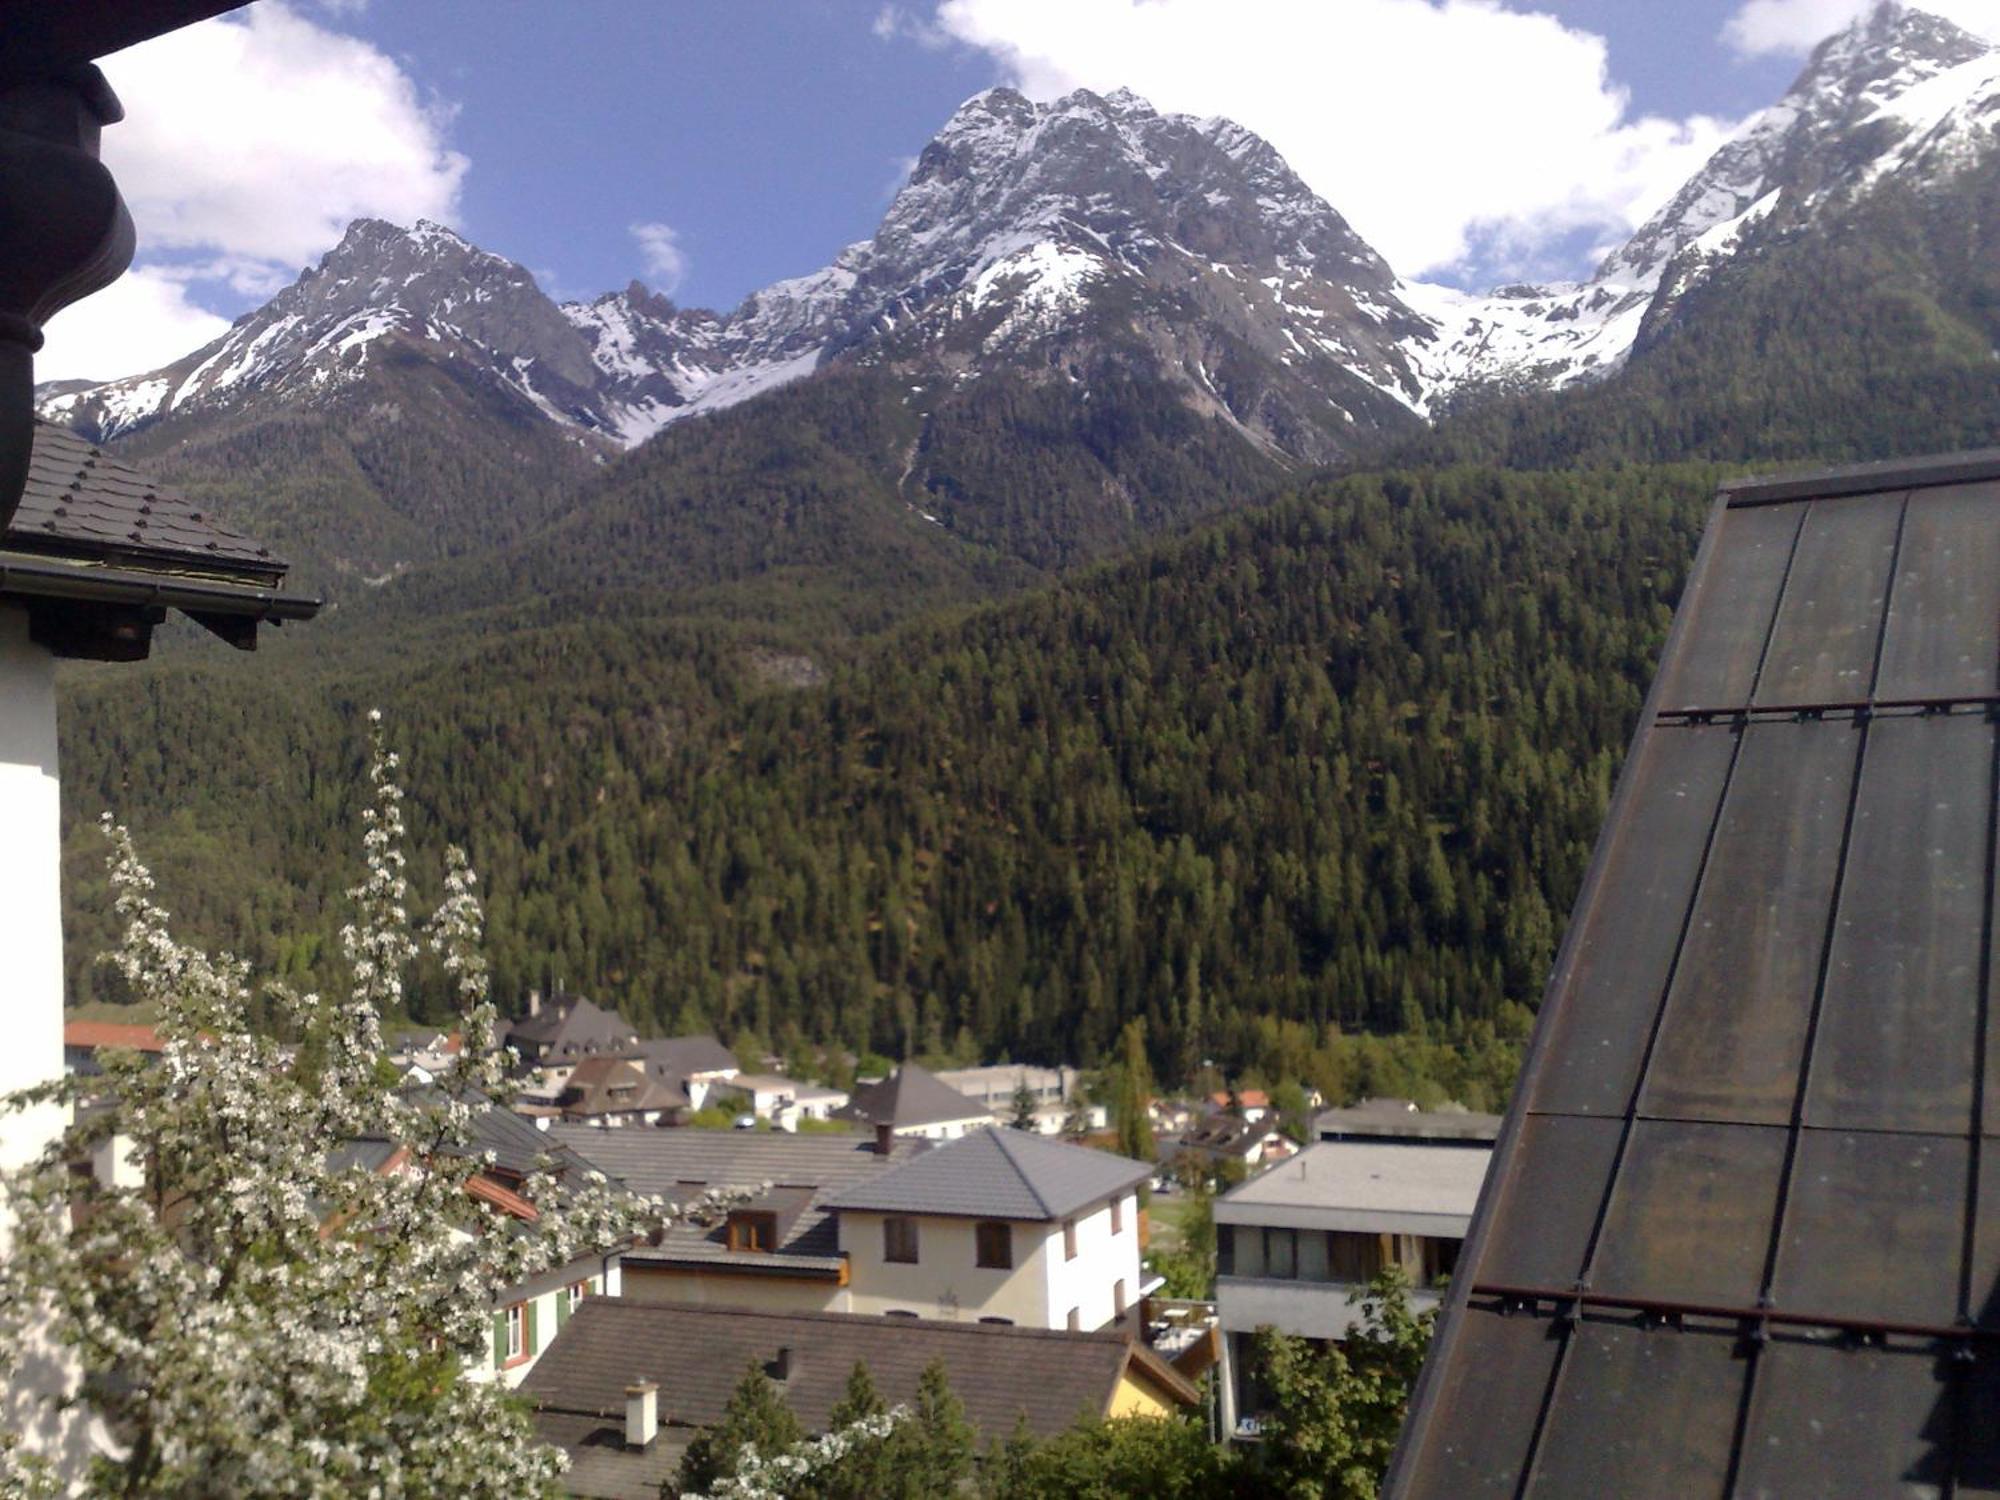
255	1318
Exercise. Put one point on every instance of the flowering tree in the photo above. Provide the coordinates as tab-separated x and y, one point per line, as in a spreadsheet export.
257	1316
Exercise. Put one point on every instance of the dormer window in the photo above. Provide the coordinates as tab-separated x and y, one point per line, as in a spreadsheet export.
752	1230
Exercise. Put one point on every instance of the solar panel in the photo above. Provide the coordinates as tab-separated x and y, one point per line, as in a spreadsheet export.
1740	1236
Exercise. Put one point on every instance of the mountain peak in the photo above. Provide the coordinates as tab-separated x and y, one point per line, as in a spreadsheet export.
1884	52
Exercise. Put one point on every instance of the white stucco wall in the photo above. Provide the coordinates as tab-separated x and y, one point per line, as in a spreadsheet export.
947	1281
30	875
31	984
1102	1260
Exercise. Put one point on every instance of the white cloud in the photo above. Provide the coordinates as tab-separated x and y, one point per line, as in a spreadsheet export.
141	321
1794	27
1444	130
666	261
248	145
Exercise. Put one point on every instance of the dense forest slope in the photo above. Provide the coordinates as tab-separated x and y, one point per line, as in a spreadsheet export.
1339	761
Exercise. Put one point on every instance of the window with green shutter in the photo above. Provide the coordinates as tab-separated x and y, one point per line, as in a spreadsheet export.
499	1339
528	1345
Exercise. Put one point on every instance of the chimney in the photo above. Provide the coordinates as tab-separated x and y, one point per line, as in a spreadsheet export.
885	1136
534	1002
642	1414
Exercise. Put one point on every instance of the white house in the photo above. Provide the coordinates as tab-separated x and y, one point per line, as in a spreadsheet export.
1296	1245
1001	1226
912	1101
783	1101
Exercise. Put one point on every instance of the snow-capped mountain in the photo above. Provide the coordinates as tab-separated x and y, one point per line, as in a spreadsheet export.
1060	240
1041	237
1900	94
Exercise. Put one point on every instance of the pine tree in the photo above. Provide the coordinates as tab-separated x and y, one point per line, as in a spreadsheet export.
755	1416
1023	1116
1133	1094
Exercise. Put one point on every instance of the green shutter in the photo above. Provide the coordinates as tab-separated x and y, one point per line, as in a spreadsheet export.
562	1309
528	1333
499	1339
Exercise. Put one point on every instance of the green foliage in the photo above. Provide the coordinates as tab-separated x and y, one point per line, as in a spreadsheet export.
1023	1109
1337	764
1133	1093
756	1415
1098	1459
1187	1260
1333	1411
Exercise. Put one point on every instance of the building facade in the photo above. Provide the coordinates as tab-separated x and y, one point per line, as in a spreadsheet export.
1297	1246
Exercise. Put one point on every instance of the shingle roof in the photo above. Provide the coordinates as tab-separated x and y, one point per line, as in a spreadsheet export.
1743	1233
997	1173
679	1057
698	1354
679	1165
82	503
913	1096
616	1085
518	1149
571	1026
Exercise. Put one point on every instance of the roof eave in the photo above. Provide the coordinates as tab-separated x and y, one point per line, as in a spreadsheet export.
39	578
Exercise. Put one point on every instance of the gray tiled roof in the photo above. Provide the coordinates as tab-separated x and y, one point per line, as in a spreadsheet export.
698	1354
680	1164
617	1085
676	1057
998	1174
571	1026
82	503
913	1096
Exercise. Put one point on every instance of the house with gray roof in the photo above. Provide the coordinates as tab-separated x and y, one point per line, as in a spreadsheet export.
613	1091
1000	1226
914	1101
565	1029
777	1246
627	1385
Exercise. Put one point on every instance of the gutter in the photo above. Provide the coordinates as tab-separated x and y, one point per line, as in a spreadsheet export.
27	578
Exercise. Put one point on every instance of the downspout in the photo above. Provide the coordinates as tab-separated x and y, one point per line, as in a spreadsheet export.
64	233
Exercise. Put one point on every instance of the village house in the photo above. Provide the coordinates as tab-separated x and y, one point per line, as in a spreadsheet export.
627	1385
1000	1225
611	1091
778	1249
1297	1245
1227	1145
778	1100
912	1101
81	1040
997	1226
527	1317
694	1064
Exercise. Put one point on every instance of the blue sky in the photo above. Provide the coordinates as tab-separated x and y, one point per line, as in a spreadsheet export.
709	147
769	133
